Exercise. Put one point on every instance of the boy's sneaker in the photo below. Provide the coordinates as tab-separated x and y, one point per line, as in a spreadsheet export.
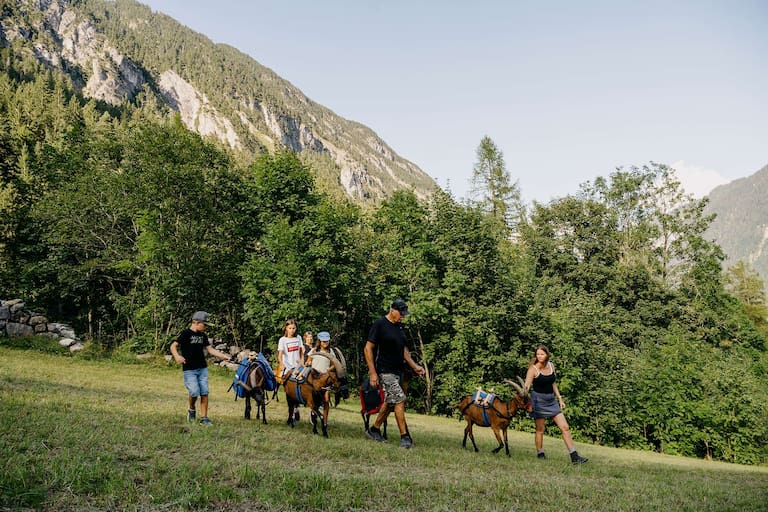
191	414
541	455
205	421
406	441
375	434
577	459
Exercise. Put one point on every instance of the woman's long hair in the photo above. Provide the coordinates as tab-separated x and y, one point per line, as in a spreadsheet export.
543	348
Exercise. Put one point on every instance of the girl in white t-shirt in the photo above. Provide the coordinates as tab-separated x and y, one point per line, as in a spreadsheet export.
290	349
290	354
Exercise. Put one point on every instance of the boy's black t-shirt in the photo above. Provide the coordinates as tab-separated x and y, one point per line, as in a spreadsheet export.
390	341
192	347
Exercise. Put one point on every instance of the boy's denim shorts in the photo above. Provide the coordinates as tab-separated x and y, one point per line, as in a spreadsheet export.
196	382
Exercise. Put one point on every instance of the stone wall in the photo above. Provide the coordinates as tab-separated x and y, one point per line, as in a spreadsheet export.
16	321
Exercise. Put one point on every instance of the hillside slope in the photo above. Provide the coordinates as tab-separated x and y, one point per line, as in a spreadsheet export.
87	443
122	51
741	225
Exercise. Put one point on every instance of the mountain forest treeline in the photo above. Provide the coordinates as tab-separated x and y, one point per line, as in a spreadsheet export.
123	222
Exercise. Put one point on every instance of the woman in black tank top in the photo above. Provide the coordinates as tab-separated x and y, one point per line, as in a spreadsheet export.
547	401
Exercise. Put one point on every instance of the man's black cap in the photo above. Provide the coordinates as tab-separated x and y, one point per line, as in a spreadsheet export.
401	306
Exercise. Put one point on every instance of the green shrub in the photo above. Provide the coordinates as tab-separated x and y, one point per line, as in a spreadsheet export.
38	343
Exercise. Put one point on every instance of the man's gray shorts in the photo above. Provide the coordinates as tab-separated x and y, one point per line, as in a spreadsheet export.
393	393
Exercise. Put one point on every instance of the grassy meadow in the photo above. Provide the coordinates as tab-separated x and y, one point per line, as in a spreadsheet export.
89	434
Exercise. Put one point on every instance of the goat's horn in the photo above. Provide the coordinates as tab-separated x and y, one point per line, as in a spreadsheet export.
340	357
515	385
341	369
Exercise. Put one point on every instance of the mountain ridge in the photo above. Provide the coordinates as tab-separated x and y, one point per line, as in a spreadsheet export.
741	224
122	51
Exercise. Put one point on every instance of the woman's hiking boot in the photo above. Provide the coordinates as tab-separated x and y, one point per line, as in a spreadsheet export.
577	459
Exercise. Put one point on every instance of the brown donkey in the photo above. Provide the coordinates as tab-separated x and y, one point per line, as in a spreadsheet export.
496	415
311	392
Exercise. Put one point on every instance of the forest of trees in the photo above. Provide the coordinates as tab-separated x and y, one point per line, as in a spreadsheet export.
123	222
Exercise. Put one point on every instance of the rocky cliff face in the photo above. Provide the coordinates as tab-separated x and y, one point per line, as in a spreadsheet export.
111	77
65	37
196	110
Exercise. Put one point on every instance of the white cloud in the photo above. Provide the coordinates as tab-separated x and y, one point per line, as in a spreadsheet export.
696	180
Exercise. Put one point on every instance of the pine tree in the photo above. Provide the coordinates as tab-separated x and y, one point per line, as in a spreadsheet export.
493	188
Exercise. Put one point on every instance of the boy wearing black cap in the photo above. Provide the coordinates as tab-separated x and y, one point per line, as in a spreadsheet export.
385	354
189	351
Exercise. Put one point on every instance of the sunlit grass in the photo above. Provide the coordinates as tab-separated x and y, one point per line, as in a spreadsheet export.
97	435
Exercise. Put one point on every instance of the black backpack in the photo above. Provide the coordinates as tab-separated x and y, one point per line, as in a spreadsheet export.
371	399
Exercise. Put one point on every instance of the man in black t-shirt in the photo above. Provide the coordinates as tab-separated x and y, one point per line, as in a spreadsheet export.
386	354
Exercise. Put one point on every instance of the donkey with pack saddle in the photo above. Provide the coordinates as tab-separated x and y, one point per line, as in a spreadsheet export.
310	387
487	410
253	379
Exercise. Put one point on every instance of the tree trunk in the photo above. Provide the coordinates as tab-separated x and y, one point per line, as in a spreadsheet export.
427	375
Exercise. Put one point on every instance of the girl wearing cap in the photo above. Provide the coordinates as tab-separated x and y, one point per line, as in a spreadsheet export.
323	346
322	364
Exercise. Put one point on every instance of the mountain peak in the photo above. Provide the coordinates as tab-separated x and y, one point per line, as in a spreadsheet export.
117	51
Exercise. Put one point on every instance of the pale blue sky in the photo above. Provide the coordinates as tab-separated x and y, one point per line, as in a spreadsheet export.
567	90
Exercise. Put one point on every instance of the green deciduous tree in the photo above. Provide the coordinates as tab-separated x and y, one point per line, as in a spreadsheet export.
306	263
745	284
695	399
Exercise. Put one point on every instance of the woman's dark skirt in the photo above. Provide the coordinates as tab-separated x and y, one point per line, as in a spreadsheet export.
545	405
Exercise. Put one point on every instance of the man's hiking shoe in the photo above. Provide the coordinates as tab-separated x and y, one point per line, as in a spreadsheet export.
205	421
577	459
375	434
541	455
191	415
406	441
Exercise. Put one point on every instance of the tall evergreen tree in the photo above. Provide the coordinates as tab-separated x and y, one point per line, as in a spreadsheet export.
492	185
